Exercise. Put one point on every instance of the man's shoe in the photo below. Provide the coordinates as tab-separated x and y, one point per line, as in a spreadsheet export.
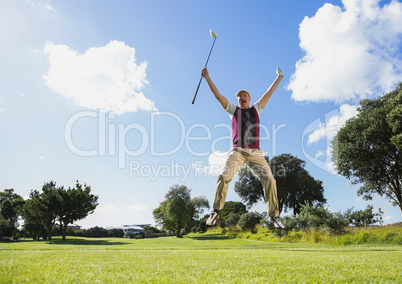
213	219
276	222
279	222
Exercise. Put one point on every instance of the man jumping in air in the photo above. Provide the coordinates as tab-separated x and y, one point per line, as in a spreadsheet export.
246	148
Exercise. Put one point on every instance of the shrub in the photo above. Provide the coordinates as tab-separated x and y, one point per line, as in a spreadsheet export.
232	220
95	232
130	235
317	217
249	221
116	233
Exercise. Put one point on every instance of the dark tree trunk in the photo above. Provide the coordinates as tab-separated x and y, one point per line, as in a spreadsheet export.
49	233
64	231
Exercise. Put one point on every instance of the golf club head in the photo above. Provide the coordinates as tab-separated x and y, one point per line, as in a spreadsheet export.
213	34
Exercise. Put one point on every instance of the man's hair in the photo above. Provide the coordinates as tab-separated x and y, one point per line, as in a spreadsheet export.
242	90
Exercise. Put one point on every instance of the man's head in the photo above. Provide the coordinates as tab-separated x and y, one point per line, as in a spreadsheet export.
243	99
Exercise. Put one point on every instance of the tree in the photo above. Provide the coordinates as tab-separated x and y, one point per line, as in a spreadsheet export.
32	215
362	218
367	149
5	228
11	206
75	204
41	209
178	210
232	207
8	194
56	203
295	184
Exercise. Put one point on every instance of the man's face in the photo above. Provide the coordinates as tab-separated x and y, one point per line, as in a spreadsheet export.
243	100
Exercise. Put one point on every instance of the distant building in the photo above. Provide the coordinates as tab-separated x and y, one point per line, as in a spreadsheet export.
136	229
75	226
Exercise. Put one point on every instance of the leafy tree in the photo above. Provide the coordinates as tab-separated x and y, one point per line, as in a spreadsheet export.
178	210
362	218
32	215
294	183
56	203
6	229
41	209
8	194
232	207
11	207
367	149
75	204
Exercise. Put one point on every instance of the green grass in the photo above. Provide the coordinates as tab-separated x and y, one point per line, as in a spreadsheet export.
197	258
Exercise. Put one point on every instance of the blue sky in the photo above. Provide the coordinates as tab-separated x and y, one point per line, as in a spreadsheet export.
101	91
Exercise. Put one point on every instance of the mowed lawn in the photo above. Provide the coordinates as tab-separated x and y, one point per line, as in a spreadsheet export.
197	258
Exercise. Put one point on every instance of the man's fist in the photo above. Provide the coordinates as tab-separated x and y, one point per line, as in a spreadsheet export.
204	72
279	72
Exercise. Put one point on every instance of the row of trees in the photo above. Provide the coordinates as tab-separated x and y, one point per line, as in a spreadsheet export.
100	232
235	215
309	217
43	209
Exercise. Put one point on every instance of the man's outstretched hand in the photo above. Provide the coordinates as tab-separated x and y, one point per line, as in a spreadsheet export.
279	72
204	72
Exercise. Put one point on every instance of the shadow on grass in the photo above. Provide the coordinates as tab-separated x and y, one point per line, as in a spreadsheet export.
84	242
208	237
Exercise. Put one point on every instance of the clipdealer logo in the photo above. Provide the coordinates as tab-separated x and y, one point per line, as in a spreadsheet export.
112	141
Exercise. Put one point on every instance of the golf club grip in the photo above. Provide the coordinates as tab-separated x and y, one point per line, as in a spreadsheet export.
199	83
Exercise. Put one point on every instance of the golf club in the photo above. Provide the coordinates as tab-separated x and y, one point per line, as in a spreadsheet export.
214	35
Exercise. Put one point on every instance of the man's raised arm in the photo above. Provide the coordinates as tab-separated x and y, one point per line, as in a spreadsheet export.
265	97
223	100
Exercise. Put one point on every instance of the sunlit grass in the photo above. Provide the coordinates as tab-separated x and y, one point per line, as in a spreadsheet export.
197	258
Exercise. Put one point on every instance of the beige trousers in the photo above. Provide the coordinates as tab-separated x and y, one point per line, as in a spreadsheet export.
256	162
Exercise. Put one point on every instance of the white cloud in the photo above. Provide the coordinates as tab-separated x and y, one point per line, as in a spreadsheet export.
333	124
317	131
113	208
216	163
319	154
114	215
1	109
110	208
106	77
136	208
44	4
350	53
